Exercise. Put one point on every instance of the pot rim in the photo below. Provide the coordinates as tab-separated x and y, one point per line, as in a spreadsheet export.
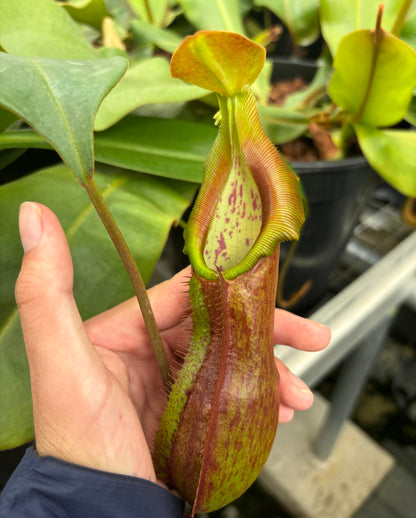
326	165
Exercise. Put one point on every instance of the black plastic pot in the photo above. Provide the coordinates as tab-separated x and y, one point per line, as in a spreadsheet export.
289	68
336	192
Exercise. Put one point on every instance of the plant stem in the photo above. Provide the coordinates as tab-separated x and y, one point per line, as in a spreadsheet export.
134	275
378	35
300	293
401	17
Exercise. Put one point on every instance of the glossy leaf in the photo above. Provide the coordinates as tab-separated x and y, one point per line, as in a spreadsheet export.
299	16
90	12
42	28
145	208
392	153
120	11
315	90
64	98
6	119
170	148
145	82
8	157
79	4
282	125
163	147
375	89
219	15
408	33
344	16
219	61
164	39
151	11
411	114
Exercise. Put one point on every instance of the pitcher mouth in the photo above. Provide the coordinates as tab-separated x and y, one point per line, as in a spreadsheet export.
249	201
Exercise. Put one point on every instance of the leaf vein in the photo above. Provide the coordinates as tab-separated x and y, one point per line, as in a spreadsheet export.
64	117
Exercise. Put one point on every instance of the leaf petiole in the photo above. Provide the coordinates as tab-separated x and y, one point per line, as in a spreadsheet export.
134	275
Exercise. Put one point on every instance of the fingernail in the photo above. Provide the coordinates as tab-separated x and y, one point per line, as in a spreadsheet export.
301	386
30	225
319	324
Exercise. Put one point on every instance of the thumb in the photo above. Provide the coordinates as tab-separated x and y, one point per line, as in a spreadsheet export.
57	345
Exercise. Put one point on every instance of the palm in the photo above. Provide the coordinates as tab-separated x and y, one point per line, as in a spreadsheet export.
99	407
121	339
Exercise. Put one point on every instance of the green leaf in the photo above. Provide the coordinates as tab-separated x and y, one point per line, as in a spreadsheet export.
6	119
151	11
145	208
392	153
344	16
146	82
411	114
316	89
23	139
375	89
222	15
90	12
408	33
299	16
9	156
145	32
163	147
42	28
64	97
282	125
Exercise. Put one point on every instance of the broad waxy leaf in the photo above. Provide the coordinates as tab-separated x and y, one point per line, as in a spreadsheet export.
392	153
145	208
6	119
90	12
170	148
376	88
9	156
408	33
42	28
163	147
344	16
282	125
162	38
64	97
145	82
219	15
204	60
151	11
316	89
411	114
299	16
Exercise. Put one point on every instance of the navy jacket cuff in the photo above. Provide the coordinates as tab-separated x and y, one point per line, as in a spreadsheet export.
45	486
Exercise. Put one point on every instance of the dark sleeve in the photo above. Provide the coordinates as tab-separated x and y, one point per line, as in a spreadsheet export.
44	487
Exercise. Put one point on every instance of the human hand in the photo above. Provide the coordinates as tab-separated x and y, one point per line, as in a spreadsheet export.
97	391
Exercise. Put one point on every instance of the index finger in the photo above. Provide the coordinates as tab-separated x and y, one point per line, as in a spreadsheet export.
298	332
123	327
